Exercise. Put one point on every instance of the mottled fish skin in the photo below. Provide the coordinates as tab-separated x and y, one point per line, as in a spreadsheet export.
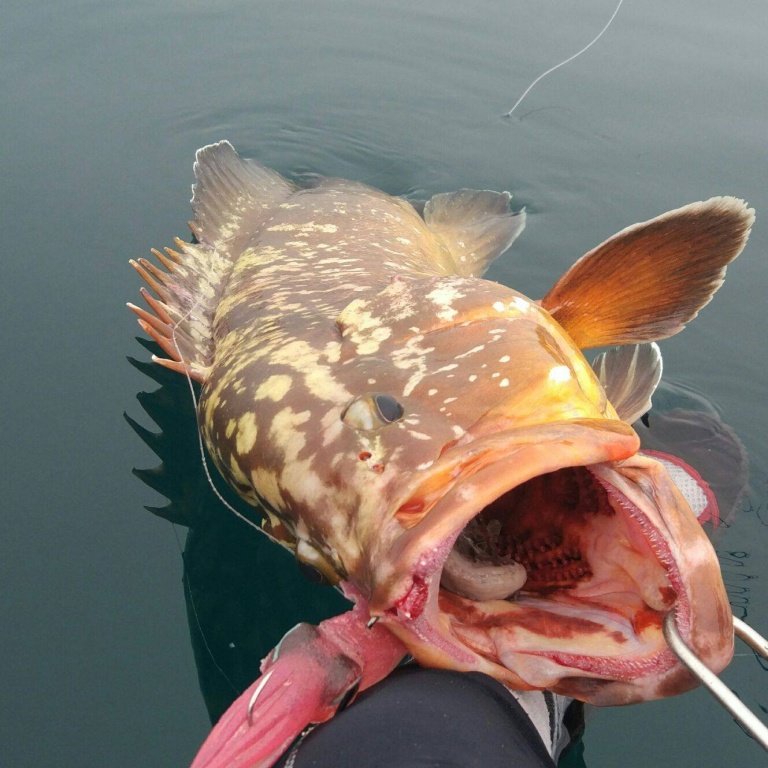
374	395
295	344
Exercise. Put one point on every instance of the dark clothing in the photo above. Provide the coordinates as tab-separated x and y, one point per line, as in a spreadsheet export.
426	718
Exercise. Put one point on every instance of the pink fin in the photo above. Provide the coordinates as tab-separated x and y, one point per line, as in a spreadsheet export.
304	680
231	199
646	282
690	483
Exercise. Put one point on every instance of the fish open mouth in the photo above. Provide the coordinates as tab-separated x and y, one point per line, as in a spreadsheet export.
549	558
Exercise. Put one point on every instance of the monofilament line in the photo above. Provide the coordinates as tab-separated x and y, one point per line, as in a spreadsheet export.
208	477
563	63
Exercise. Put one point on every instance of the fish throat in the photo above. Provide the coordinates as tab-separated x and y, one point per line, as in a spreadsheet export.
539	526
564	568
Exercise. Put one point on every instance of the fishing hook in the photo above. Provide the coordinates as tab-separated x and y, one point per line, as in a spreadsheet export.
740	711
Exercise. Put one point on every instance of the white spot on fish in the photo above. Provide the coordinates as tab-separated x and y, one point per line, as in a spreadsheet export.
373	342
472	351
237	471
443	297
499	306
432	392
246	433
425	465
267	486
521	304
560	374
504	359
504	383
473	377
457	430
274	388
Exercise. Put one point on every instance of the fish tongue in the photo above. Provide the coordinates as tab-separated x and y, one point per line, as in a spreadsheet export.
479	580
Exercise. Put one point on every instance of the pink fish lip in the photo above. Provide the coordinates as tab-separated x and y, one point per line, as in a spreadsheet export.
587	621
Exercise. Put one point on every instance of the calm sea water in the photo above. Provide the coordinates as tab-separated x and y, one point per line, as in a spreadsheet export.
104	104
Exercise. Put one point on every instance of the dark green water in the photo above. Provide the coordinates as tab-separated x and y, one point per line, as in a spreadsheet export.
104	104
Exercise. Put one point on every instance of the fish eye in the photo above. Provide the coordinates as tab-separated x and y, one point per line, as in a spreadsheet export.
388	408
371	411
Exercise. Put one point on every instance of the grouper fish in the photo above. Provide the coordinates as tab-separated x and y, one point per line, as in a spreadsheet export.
436	444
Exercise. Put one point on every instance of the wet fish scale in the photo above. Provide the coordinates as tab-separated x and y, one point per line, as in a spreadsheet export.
364	386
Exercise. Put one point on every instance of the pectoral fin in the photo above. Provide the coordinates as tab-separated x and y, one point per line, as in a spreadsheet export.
313	672
476	226
646	282
629	376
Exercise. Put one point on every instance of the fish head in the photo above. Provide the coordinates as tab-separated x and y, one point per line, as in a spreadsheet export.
444	448
494	509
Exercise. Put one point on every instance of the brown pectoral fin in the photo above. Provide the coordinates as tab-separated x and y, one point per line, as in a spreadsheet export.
646	282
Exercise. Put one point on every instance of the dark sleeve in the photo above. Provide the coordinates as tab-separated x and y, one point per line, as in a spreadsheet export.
426	718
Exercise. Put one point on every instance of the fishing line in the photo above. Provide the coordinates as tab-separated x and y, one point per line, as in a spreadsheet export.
224	502
190	593
563	63
201	446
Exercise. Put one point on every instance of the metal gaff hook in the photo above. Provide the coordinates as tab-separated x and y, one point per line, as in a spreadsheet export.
741	713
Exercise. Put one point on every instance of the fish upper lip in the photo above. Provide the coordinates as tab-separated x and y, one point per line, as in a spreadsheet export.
446	496
460	484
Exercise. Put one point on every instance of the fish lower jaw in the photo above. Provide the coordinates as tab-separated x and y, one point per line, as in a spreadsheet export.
548	644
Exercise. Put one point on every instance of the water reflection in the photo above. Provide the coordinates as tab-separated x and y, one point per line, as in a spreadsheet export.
242	592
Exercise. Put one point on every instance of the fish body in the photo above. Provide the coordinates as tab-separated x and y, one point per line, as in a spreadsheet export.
436	442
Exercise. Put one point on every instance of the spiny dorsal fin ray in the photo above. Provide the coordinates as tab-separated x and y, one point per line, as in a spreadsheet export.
475	226
646	282
629	375
231	199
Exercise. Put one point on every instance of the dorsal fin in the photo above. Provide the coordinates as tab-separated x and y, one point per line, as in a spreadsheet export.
231	199
629	376
647	281
231	194
475	226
